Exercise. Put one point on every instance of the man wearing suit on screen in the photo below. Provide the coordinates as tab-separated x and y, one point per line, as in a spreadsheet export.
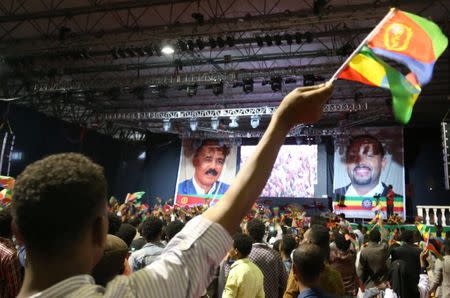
365	160
208	162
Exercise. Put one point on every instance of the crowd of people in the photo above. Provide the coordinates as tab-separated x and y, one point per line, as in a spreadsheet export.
68	242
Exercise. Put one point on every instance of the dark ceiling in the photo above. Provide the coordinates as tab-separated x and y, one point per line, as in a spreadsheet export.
99	63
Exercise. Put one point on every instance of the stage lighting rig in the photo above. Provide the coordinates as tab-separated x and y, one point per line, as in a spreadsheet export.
220	42
199	18
217	88
166	125
234	122
276	83
259	41
191	90
200	44
268	40
254	120
193	123
215	123
212	43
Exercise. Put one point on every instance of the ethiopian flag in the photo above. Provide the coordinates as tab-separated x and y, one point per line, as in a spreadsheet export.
410	40
134	197
368	69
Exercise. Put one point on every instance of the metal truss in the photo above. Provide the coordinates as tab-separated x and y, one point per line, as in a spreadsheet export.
145	116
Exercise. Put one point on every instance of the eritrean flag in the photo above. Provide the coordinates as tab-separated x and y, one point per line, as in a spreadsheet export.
410	40
134	197
368	69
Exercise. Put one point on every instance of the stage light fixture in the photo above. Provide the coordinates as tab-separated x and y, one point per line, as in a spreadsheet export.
166	125
288	38
182	45
268	40
167	50
276	83
148	50
254	121
259	41
193	123
217	88
212	43
298	37
309	37
157	50
215	123
190	45
310	79
114	54
122	53
200	44
131	52
220	42
234	122
247	85
230	41
191	90
199	18
277	39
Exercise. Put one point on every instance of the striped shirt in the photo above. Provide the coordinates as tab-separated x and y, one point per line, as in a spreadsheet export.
10	275
184	269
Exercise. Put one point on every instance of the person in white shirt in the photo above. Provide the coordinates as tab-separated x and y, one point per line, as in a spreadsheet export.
66	194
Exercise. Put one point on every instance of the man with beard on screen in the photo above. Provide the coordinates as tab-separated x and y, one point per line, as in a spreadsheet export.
208	162
365	159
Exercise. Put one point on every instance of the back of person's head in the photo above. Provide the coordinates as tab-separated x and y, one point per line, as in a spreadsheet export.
318	220
152	228
56	200
173	228
288	244
374	236
341	243
243	244
134	221
407	236
127	233
112	261
114	223
342	215
256	229
288	221
309	262
319	235
5	223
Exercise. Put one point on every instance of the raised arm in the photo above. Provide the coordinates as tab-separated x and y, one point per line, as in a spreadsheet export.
302	105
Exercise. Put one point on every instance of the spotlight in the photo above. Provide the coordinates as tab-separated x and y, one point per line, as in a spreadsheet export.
254	121
276	83
200	44
310	79
212	43
130	52
217	88
114	54
199	18
230	41
148	50
121	53
166	124
288	38
190	45
191	90
193	123
247	85
268	40
277	39
298	37
167	50
220	42
234	122
215	123
259	41
309	37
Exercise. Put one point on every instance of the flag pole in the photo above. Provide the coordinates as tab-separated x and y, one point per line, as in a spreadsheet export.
368	37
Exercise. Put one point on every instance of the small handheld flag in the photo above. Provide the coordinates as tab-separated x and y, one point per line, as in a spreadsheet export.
134	197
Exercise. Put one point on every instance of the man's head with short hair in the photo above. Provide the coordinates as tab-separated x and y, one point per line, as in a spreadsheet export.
242	246
288	244
114	223
256	229
173	228
309	262
408	236
152	229
59	204
5	223
374	236
341	243
319	235
127	233
365	159
208	162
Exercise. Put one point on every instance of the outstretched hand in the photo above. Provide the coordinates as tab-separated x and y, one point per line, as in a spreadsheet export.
303	105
